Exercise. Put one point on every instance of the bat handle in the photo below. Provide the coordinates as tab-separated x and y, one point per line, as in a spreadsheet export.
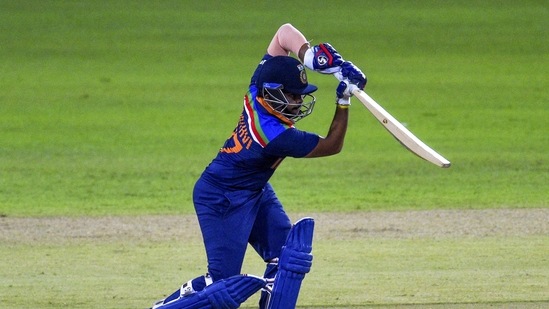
352	87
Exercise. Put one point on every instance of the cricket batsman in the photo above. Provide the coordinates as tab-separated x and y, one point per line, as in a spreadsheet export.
234	202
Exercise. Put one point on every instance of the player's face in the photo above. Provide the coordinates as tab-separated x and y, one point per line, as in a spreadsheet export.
294	102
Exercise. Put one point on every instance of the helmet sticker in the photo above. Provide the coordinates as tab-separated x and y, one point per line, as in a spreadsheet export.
302	74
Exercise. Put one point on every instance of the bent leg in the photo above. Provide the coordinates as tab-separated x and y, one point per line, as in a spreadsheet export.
271	226
226	219
269	234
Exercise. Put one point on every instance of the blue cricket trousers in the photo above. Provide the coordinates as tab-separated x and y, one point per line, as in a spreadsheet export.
229	220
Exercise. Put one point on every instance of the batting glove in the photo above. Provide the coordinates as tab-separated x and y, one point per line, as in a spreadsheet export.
350	72
323	58
343	94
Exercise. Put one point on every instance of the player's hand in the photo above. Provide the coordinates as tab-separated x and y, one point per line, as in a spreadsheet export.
352	74
343	93
323	58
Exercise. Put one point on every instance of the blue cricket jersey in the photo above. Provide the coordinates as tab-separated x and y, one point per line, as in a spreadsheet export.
258	144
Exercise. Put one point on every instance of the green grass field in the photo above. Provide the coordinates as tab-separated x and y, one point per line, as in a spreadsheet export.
114	108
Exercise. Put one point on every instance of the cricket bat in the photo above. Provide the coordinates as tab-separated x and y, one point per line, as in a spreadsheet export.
403	135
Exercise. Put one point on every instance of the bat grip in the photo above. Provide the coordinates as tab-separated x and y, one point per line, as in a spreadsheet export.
352	87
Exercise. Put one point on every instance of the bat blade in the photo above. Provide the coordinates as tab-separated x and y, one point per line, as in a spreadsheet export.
403	135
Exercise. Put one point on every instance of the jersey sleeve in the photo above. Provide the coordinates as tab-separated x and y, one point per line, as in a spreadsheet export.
292	143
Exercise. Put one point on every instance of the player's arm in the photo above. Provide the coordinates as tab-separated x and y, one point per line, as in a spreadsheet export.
322	58
288	39
333	142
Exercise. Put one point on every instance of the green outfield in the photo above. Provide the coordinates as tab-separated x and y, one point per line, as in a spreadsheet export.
114	108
